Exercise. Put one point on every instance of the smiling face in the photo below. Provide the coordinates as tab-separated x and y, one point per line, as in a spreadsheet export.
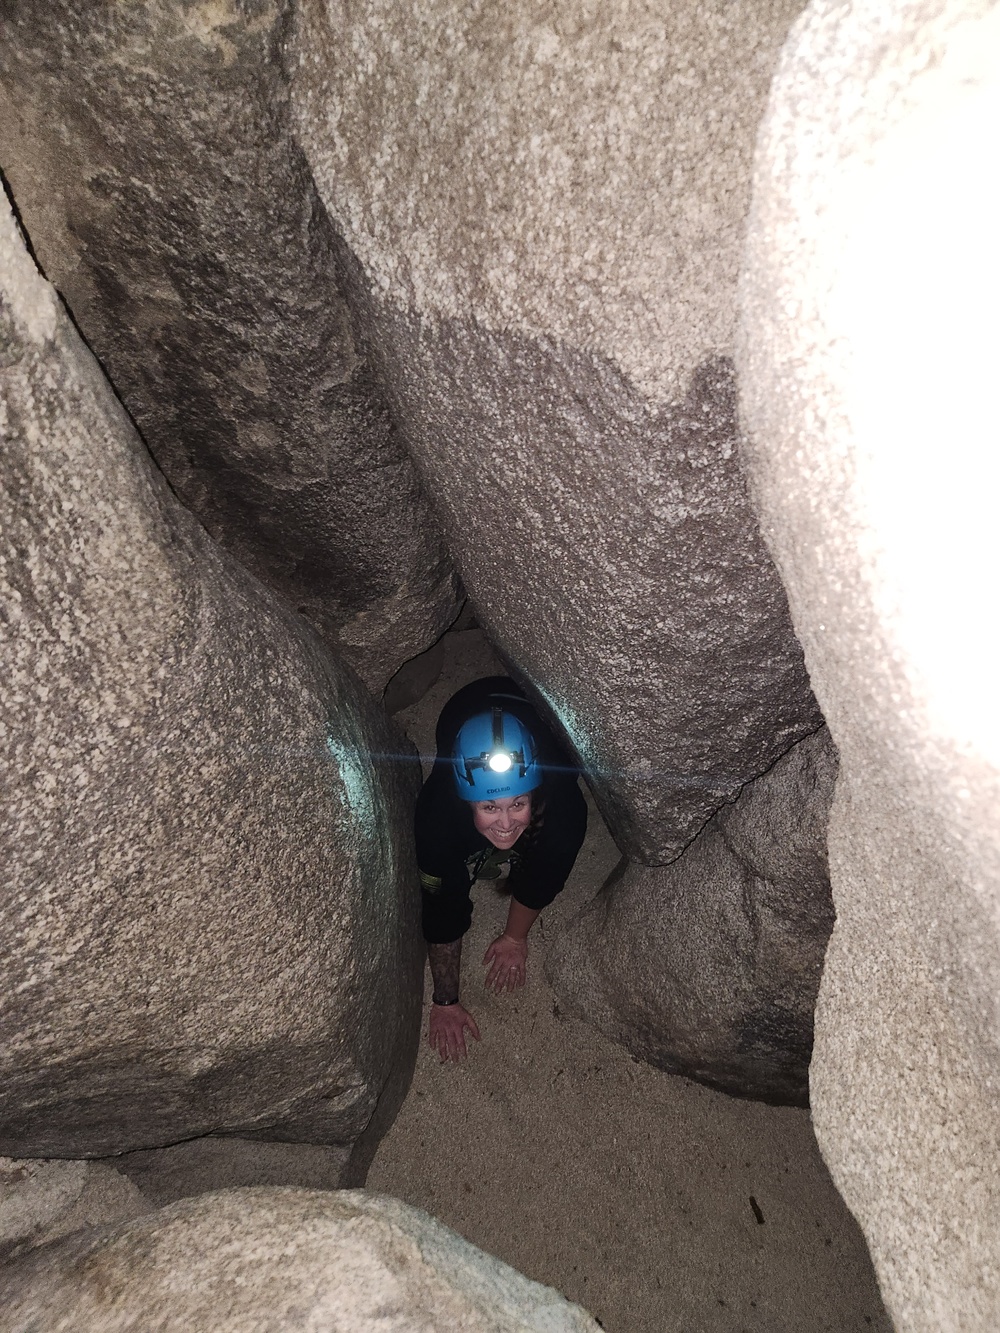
502	822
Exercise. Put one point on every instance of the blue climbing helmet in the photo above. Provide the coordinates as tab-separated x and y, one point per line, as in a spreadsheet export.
495	757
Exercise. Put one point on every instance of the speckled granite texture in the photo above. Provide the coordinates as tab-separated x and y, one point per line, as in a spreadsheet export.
869	367
41	1201
545	204
209	895
709	967
634	1190
150	151
266	1261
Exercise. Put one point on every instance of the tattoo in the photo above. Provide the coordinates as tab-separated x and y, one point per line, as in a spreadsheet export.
446	967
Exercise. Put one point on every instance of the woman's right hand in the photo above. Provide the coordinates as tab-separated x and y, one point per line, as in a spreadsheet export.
446	1033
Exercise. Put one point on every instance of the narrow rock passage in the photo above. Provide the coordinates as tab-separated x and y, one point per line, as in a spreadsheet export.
656	1203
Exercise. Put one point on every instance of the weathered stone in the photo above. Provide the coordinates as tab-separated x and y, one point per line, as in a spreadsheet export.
210	918
547	254
149	149
32	1193
869	364
413	679
214	1162
709	967
40	1201
280	1259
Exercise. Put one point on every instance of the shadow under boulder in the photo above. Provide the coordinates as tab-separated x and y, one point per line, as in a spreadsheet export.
710	966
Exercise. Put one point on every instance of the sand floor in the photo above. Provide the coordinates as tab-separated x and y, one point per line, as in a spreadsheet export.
658	1204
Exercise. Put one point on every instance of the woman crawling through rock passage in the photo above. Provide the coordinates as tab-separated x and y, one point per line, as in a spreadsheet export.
501	799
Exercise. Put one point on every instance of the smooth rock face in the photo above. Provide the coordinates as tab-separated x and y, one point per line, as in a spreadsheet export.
210	920
709	967
547	255
869	364
253	1261
150	152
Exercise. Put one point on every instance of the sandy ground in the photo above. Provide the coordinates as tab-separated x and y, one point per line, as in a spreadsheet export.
656	1203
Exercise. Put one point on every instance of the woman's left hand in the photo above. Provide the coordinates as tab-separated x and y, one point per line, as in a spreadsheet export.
507	960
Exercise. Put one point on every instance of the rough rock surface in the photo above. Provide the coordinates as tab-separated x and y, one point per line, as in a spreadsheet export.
150	152
413	679
216	1162
869	363
709	967
209	916
40	1201
546	205
269	1260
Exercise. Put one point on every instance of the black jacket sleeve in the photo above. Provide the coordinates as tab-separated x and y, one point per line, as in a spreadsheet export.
446	914
446	903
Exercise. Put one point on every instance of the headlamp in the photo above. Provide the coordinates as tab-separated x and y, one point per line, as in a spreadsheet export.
503	760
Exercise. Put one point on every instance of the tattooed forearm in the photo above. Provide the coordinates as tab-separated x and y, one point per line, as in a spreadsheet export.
446	966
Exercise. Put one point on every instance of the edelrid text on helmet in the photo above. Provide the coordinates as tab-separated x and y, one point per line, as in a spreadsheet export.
495	757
